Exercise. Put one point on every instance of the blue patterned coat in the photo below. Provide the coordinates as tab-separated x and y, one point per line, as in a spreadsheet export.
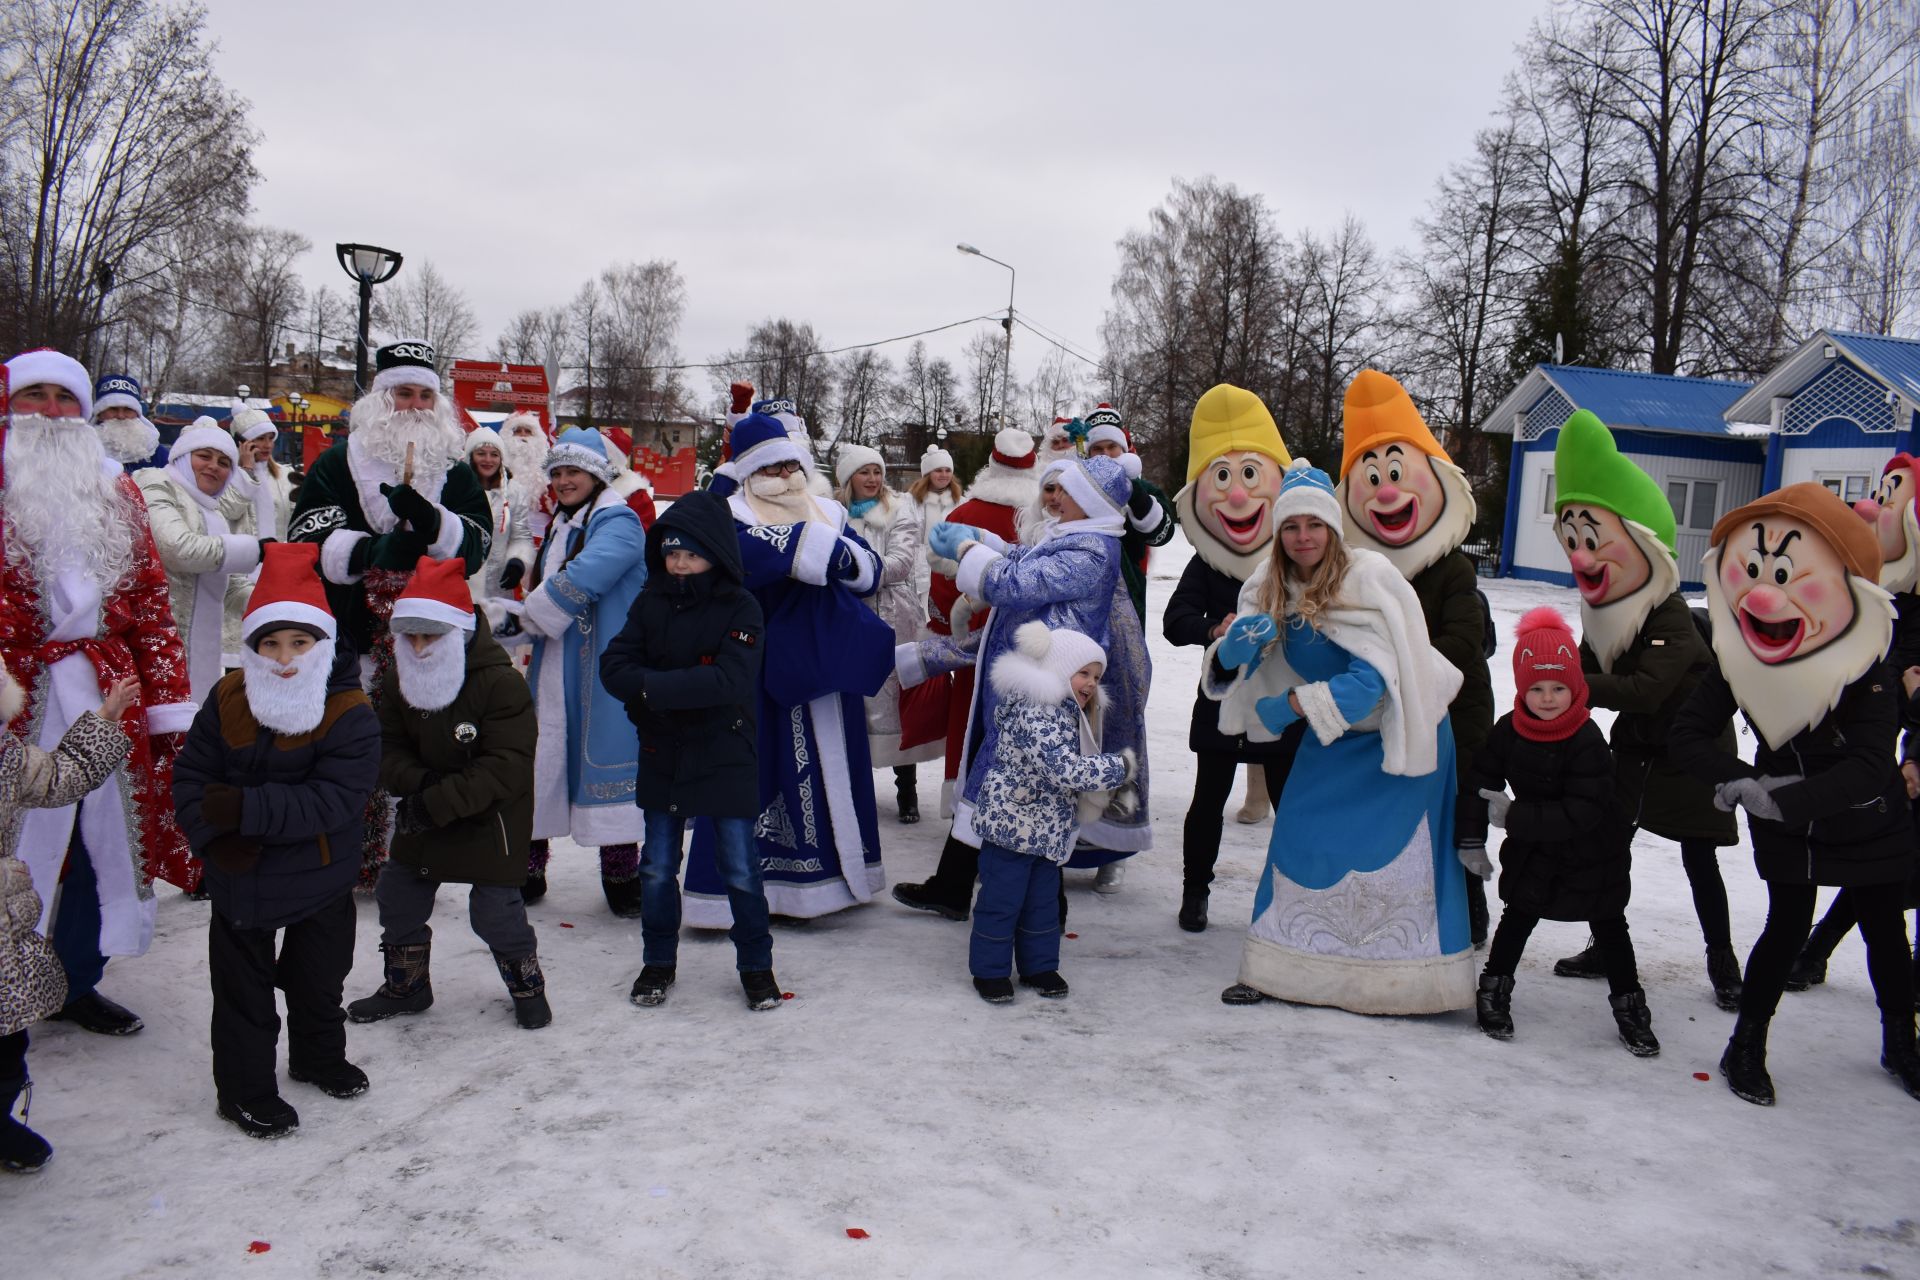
1029	799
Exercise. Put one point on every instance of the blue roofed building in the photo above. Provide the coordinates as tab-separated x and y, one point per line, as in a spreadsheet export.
1675	429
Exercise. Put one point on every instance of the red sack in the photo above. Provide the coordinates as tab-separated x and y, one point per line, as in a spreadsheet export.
923	712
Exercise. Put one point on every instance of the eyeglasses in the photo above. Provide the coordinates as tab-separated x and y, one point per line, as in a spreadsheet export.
780	468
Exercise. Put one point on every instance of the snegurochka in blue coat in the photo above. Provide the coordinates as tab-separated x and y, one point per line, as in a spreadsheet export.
588	573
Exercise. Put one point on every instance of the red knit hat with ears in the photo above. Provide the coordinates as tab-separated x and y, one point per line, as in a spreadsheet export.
1544	650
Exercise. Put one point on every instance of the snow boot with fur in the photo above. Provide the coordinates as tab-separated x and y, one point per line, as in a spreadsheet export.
408	987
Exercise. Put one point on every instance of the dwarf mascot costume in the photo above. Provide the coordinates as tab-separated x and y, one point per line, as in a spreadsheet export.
1235	462
1404	497
1643	655
1801	628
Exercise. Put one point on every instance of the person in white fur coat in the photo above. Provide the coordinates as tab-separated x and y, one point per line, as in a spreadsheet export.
265	482
890	523
511	550
207	532
935	494
1362	904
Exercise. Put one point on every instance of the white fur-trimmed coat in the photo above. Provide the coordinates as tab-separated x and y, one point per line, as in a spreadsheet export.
1047	771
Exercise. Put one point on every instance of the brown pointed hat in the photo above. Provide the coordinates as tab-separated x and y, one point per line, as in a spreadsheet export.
1820	509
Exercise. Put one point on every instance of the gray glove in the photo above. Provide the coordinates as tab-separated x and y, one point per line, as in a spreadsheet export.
1473	856
1753	794
1498	802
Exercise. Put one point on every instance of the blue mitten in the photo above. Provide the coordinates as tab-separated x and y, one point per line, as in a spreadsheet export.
945	539
1275	713
1244	641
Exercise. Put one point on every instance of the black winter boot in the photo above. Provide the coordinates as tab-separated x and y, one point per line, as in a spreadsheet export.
1810	967
651	987
1899	1054
408	987
93	1012
1631	1015
267	1116
762	989
535	888
1744	1064
21	1149
338	1080
1049	984
1193	911
1723	971
905	786
1584	964
1241	993
994	990
528	986
927	897
623	896
1493	1005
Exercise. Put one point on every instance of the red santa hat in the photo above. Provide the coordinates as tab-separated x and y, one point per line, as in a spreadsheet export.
436	600
289	593
1013	447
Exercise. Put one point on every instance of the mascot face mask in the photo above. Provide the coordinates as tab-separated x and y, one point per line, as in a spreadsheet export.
1787	589
1234	498
1394	495
1891	513
1607	563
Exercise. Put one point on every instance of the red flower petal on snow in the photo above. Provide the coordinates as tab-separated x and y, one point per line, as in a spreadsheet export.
855	1233
1701	1075
258	1246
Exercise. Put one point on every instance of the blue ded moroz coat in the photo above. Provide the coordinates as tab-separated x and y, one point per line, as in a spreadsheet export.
825	653
590	568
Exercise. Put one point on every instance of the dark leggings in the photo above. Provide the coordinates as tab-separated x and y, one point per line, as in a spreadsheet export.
1702	863
1213	776
1610	936
1883	923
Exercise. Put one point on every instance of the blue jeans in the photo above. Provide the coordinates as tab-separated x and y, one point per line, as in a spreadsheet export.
1016	916
739	864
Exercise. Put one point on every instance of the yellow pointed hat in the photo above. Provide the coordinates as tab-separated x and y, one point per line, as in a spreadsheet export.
1229	419
1379	410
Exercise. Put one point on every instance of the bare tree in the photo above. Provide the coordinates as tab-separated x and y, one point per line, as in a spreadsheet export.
422	303
862	388
521	341
1057	387
782	360
641	307
1876	280
124	135
986	365
927	392
263	297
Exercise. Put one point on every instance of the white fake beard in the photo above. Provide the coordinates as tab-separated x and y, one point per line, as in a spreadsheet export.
1609	629
289	706
525	460
1784	699
782	499
63	508
129	440
385	432
1439	541
430	681
1900	575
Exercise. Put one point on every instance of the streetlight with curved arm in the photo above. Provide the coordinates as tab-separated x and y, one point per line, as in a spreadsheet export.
1006	373
369	265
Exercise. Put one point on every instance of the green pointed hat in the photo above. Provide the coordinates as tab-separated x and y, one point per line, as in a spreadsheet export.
1589	469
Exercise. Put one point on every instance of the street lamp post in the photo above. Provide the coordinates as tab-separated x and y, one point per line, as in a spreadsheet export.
1006	373
369	265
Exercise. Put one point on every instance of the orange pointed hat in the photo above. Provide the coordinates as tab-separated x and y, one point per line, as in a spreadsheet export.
1379	410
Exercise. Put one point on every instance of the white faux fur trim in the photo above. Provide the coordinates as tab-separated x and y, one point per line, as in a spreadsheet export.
336	553
1004	486
547	617
814	554
1321	712
868	564
171	717
907	665
1016	675
1150	521
453	531
973	569
242	553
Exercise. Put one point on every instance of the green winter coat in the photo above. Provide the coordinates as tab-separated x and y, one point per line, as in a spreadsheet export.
1450	599
1648	685
1150	523
471	764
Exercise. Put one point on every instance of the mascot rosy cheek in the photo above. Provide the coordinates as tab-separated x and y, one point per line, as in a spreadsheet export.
1235	463
1401	493
1891	513
1797	613
1617	529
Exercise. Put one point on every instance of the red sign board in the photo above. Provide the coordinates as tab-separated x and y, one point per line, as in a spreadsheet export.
489	385
671	474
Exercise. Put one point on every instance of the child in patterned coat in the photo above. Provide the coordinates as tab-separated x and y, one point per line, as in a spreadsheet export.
1047	774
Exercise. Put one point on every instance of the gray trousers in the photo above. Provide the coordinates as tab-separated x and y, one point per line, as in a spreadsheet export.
497	913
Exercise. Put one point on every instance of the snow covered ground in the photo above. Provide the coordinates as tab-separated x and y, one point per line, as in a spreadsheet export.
1138	1128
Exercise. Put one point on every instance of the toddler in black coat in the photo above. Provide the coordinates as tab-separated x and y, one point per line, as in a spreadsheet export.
1566	856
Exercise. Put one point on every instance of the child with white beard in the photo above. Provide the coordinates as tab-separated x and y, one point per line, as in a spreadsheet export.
272	790
457	730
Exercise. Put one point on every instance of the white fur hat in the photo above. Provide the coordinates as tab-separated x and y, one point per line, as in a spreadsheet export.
484	437
1305	490
45	365
251	424
935	458
851	457
522	419
1059	650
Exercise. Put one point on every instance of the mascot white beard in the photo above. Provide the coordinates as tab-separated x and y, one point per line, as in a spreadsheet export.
63	504
385	432
288	705
1441	538
784	499
430	681
1610	628
1786	698
525	458
129	440
1901	575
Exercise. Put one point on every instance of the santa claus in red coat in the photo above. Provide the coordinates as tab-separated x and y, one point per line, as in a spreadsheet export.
83	606
1002	490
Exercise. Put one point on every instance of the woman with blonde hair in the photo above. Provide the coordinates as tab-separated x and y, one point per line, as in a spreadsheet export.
1362	904
890	522
935	494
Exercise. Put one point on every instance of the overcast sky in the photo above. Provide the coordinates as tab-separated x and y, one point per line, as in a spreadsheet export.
820	160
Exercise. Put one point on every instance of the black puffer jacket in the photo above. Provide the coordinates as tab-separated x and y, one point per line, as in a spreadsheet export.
1204	597
1847	822
687	666
1567	856
1648	685
469	765
1449	594
303	798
